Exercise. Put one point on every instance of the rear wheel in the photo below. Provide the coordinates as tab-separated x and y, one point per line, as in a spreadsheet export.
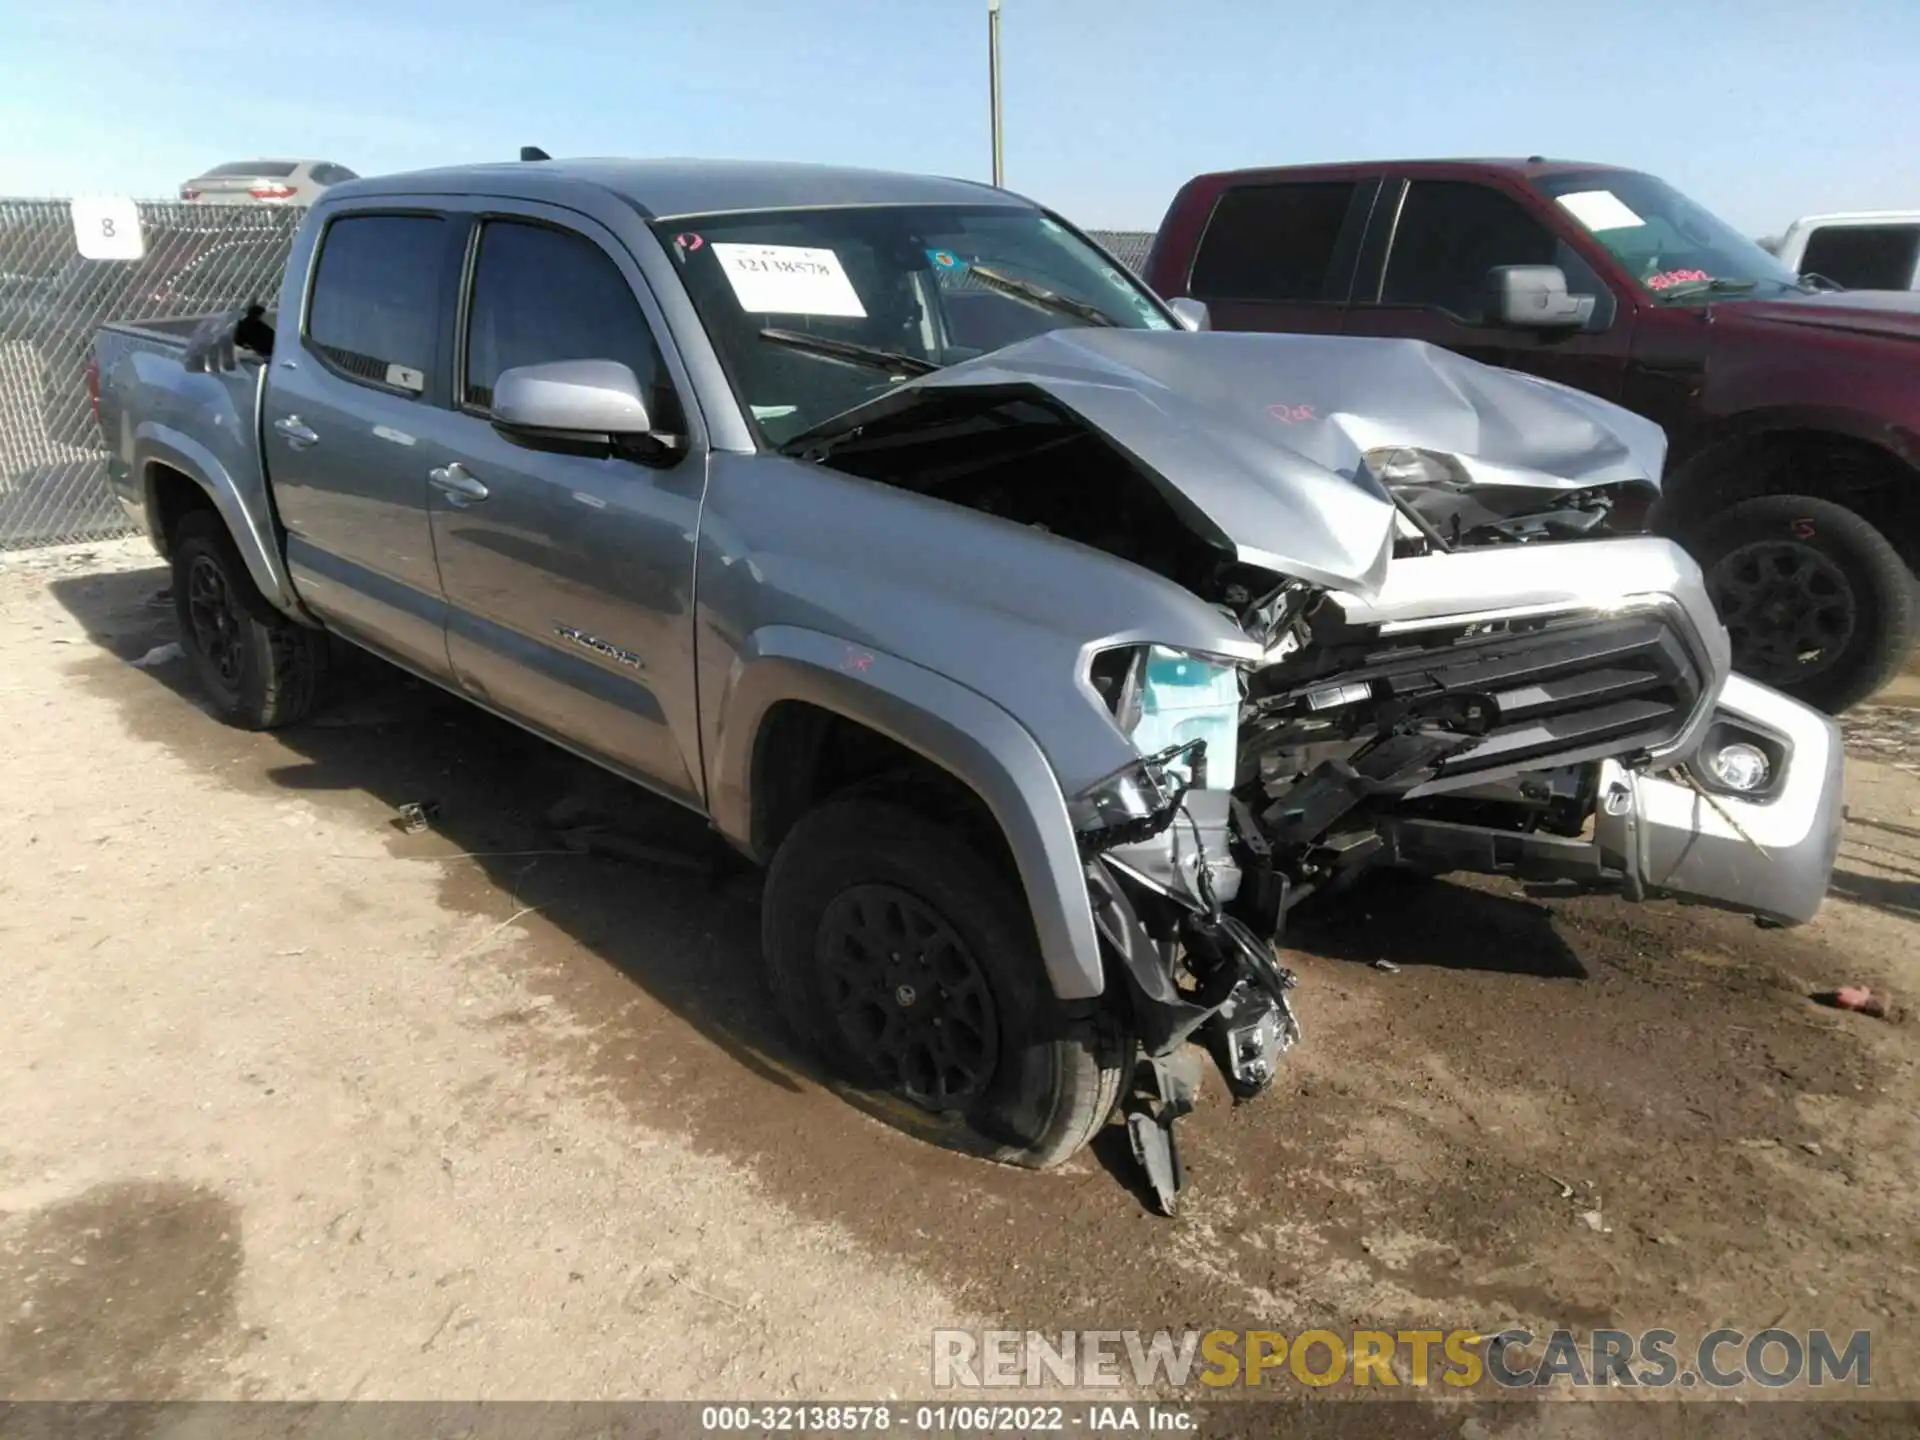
1815	601
258	668
909	964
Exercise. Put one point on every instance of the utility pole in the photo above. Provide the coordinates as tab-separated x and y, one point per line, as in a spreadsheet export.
993	84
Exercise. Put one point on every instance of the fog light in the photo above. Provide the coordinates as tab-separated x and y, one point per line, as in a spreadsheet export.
1740	767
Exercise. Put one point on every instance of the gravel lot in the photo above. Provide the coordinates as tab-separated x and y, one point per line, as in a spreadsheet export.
300	1105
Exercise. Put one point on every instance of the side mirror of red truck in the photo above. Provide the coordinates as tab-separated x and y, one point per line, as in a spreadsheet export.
1534	297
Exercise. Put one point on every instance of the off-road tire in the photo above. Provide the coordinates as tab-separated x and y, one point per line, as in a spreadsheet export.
264	672
1831	545
1059	1068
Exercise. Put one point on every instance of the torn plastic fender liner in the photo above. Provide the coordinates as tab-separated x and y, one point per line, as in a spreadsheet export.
1164	1017
1233	959
1260	441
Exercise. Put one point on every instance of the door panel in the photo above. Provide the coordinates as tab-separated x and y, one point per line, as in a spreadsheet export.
342	441
1445	236
570	595
569	586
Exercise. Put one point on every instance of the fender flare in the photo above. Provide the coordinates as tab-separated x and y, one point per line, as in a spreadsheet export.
950	726
253	534
1896	442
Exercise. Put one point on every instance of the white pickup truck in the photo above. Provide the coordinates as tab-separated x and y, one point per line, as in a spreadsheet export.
1858	250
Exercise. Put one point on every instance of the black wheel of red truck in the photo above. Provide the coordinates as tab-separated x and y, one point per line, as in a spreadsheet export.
258	668
909	964
1815	601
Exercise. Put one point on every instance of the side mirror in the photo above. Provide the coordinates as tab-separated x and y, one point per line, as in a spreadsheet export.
1192	314
570	404
1534	297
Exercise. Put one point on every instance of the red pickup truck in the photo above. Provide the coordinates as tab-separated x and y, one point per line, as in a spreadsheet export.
1792	408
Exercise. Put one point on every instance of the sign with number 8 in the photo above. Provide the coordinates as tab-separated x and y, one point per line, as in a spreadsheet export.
107	227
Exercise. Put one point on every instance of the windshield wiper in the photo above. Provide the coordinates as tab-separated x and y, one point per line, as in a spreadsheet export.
850	352
1039	295
1719	285
1814	280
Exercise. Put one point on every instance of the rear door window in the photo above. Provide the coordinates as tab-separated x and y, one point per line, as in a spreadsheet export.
1452	232
542	294
375	312
1275	243
1864	257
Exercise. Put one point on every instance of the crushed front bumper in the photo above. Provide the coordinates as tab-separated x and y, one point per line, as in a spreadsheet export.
1660	835
1770	858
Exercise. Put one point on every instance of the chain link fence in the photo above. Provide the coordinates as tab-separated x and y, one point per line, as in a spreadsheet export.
53	458
199	258
1129	247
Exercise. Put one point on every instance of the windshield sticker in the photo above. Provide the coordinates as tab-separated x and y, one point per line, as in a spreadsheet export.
773	412
946	260
788	280
688	242
1291	414
1599	210
1667	279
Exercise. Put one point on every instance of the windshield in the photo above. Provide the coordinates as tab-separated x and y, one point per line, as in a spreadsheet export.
886	291
1673	247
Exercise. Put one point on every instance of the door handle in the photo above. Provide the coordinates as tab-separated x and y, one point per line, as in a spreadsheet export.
299	435
456	484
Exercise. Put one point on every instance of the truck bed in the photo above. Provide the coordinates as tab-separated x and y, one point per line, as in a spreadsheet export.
172	331
151	403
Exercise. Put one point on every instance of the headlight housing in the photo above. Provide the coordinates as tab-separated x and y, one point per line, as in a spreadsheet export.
1183	711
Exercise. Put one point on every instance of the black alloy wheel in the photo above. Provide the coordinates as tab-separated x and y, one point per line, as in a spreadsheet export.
215	620
1816	600
1788	609
907	996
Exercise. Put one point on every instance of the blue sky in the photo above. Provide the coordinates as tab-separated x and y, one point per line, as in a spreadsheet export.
1763	110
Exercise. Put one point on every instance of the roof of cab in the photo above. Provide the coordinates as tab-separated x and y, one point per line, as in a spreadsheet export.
666	189
1530	167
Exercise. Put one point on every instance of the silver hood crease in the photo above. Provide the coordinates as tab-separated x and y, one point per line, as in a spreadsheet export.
1260	440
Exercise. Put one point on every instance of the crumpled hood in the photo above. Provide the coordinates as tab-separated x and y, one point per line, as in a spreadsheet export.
1893	313
1259	440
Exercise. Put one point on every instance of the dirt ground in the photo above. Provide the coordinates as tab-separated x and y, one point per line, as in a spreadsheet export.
299	1105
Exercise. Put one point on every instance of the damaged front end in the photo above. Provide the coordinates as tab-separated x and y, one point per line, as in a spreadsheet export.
1449	651
1585	732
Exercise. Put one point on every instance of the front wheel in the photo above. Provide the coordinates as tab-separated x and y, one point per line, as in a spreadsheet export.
257	667
1815	601
909	964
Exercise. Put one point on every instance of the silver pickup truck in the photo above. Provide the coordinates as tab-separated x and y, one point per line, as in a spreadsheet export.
1046	646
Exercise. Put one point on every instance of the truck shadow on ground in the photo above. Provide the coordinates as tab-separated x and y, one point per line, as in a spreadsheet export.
1895	897
1410	919
658	965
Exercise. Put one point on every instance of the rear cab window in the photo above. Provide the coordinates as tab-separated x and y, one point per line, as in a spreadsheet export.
1289	241
374	312
542	294
1864	257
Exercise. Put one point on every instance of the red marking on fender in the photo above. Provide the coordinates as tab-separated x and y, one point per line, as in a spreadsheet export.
856	660
1291	414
